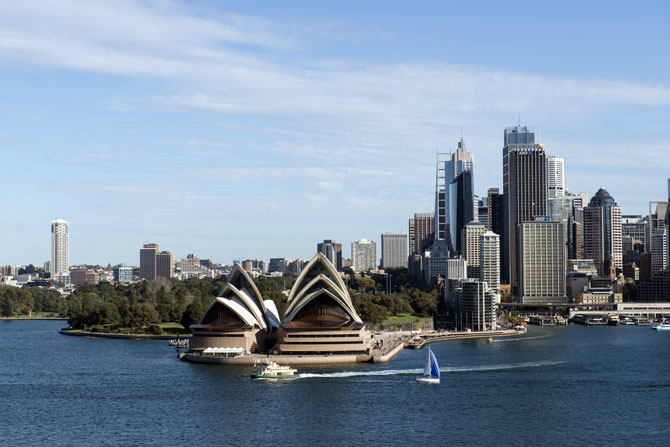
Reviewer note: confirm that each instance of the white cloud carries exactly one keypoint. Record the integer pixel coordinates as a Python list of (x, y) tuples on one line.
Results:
[(314, 134)]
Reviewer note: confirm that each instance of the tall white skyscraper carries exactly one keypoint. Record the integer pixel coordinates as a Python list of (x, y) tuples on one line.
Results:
[(60, 248), (555, 177), (659, 252), (470, 247), (363, 255), (489, 259)]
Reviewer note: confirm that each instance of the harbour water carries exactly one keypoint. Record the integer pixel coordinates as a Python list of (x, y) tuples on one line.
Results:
[(571, 385)]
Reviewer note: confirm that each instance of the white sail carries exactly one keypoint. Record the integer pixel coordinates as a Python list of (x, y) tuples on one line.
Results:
[(426, 370)]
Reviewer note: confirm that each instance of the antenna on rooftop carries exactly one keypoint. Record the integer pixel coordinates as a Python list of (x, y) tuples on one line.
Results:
[(519, 118)]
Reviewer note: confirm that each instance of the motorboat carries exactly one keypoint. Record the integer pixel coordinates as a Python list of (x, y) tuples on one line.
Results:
[(665, 326)]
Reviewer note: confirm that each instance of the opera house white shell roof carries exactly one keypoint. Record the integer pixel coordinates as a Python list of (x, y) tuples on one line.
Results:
[(319, 298), (239, 306)]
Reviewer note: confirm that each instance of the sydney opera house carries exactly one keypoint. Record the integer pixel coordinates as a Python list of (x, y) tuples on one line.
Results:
[(319, 325)]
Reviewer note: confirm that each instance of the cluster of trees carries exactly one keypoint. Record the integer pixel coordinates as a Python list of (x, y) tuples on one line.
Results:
[(138, 307), (27, 300), (375, 308)]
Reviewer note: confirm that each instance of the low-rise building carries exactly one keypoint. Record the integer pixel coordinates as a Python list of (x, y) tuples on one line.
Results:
[(599, 296), (123, 273), (83, 276)]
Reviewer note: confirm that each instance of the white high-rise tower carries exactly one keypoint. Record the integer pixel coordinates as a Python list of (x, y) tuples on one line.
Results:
[(60, 248), (555, 177), (489, 260)]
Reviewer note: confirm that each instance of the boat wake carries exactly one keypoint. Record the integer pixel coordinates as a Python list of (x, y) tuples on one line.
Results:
[(521, 338), (395, 372)]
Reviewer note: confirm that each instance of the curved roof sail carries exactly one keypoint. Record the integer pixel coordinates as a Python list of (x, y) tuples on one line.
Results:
[(239, 278), (244, 306), (319, 297)]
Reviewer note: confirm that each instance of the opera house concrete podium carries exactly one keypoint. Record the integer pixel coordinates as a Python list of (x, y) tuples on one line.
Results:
[(320, 324)]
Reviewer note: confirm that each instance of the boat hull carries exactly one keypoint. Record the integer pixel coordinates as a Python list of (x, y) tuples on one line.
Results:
[(268, 376), (427, 380), (662, 328)]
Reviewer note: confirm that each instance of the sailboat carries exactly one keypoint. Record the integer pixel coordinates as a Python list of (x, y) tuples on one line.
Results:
[(431, 373)]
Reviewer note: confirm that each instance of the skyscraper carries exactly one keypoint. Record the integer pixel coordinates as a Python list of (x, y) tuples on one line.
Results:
[(421, 236), (667, 225), (602, 232), (333, 252), (459, 162), (363, 255), (562, 209), (634, 226), (489, 259), (555, 177), (542, 260), (461, 209), (470, 245), (148, 261), (422, 232), (475, 305), (525, 192), (164, 264), (659, 253), (60, 248), (495, 214), (656, 243), (394, 250)]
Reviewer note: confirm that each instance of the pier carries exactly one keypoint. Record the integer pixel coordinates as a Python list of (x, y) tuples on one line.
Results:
[(422, 339)]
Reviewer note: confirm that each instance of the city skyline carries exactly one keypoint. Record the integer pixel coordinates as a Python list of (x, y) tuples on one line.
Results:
[(314, 124)]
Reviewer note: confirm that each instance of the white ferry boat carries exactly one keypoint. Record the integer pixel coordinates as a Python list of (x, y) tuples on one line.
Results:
[(269, 369)]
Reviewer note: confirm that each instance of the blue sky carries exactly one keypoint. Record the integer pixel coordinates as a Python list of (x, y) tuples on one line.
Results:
[(257, 129)]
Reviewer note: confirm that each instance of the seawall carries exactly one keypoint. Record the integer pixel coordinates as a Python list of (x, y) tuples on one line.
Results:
[(86, 334)]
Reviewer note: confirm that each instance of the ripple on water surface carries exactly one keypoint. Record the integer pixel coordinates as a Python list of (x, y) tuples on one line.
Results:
[(574, 385)]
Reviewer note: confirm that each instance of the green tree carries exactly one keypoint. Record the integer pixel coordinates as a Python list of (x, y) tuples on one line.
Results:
[(423, 304), (105, 313), (366, 284), (192, 314), (140, 315)]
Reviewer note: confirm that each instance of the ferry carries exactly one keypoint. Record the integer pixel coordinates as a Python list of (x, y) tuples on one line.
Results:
[(560, 321), (642, 321), (592, 320), (627, 321), (613, 320), (269, 369), (663, 327), (595, 320)]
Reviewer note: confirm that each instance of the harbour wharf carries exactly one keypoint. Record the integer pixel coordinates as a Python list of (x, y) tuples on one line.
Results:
[(422, 339)]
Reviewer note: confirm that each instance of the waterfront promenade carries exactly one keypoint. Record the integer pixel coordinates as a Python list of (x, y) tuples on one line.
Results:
[(384, 346)]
